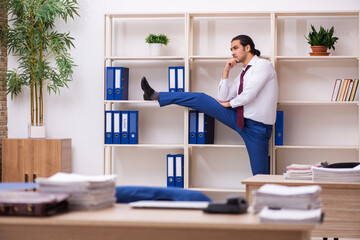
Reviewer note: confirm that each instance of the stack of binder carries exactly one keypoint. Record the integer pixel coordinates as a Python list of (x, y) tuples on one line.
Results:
[(117, 83), (85, 192), (121, 127), (283, 204), (201, 128), (175, 170), (176, 79)]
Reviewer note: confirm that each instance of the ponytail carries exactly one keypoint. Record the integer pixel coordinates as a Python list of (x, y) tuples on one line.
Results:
[(256, 52)]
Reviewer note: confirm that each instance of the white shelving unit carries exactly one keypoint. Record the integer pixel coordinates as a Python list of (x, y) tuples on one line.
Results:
[(315, 129)]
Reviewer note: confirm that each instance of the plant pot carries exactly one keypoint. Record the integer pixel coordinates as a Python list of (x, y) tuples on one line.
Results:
[(35, 131), (156, 49), (319, 51)]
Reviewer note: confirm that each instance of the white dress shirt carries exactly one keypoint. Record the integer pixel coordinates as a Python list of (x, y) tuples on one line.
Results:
[(260, 91)]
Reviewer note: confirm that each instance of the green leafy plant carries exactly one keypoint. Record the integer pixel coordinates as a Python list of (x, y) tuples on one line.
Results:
[(43, 53), (160, 38), (322, 38)]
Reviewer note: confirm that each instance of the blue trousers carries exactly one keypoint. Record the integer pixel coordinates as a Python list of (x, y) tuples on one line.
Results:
[(256, 135)]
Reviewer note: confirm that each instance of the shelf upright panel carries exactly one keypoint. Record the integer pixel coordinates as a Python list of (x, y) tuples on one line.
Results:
[(358, 54), (188, 33), (273, 52)]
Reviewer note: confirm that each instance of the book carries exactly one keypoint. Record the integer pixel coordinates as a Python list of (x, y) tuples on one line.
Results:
[(343, 88), (351, 82), (346, 89), (336, 89), (354, 89), (340, 90)]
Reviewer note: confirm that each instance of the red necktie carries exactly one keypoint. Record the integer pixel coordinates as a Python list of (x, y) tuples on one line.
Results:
[(240, 110)]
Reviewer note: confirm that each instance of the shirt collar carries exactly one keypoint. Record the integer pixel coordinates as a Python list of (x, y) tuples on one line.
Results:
[(252, 62)]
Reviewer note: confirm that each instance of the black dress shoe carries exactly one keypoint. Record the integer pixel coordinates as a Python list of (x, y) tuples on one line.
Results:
[(148, 91)]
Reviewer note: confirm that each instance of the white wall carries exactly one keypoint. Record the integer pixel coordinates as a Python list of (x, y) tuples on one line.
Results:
[(78, 112)]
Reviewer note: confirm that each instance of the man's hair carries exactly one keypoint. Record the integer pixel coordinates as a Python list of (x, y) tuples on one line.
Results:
[(246, 40)]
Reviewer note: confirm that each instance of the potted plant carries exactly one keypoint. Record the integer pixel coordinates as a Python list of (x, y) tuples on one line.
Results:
[(43, 53), (156, 42), (321, 41)]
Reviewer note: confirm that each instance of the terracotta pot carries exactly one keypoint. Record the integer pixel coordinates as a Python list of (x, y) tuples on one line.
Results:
[(319, 51)]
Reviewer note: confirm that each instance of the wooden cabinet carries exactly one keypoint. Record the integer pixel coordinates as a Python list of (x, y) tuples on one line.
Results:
[(25, 159)]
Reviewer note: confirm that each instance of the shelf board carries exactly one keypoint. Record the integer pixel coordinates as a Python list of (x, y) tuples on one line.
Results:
[(200, 189), (141, 58), (316, 57), (132, 101), (146, 15), (141, 103), (155, 103), (315, 103), (216, 146), (318, 14), (229, 14), (194, 57), (316, 147), (197, 57), (145, 145)]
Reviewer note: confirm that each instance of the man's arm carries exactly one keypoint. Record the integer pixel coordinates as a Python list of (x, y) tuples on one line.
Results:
[(226, 92), (224, 104), (228, 66), (259, 77)]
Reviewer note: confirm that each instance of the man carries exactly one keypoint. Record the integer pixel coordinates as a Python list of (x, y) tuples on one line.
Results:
[(247, 105)]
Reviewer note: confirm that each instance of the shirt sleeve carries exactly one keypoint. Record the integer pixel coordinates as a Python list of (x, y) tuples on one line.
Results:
[(226, 91), (260, 75)]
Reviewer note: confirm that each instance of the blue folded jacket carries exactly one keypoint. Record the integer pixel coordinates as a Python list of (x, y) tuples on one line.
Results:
[(127, 194)]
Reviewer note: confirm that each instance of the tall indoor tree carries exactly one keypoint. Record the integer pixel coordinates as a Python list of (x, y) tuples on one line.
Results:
[(43, 53)]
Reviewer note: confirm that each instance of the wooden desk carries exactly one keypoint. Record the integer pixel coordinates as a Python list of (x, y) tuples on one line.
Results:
[(341, 204), (122, 222)]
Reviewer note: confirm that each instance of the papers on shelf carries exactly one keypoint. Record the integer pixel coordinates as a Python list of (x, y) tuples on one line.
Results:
[(284, 197), (86, 192), (298, 174), (300, 171), (336, 174), (312, 216)]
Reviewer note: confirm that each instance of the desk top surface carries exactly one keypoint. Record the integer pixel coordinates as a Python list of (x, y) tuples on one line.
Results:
[(261, 179), (124, 215)]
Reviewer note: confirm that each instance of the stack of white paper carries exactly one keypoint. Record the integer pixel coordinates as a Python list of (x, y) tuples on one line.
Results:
[(283, 198), (298, 174), (336, 174), (86, 192), (278, 196), (286, 216), (300, 171)]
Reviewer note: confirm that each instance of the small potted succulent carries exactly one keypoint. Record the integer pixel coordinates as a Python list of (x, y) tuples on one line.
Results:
[(156, 43), (321, 41)]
